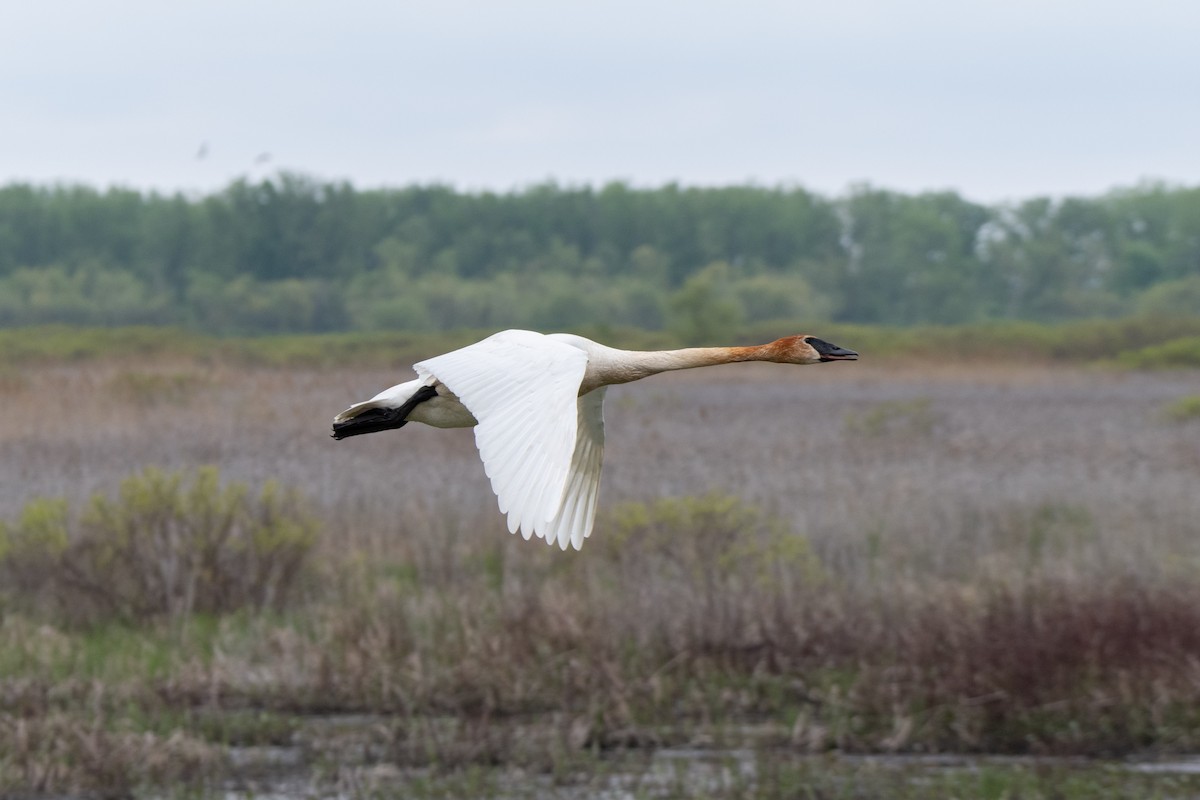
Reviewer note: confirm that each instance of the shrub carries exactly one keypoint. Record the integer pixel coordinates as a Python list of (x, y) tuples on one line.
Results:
[(168, 545), (1177, 298), (1185, 409), (1181, 352), (31, 548), (702, 311)]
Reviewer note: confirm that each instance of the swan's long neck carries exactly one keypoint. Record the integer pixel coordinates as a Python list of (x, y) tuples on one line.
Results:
[(609, 366)]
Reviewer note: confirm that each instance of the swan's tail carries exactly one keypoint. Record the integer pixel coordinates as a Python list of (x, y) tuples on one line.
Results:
[(377, 415), (366, 418)]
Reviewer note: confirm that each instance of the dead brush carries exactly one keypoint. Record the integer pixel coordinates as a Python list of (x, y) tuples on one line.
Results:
[(696, 573), (143, 388), (693, 587), (60, 753), (705, 610), (1046, 666), (901, 419)]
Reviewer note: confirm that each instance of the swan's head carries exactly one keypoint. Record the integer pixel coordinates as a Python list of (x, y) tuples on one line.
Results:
[(805, 349)]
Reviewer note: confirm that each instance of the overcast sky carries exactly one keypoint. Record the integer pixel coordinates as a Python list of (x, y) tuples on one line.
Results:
[(999, 99)]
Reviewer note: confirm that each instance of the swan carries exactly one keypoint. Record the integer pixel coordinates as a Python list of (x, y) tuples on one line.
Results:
[(536, 402)]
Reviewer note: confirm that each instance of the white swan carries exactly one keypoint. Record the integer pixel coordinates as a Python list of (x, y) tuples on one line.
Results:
[(536, 402)]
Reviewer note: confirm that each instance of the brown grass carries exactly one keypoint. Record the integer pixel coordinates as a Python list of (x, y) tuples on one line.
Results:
[(859, 557)]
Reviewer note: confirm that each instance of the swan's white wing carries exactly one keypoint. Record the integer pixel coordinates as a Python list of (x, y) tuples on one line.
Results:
[(522, 388), (578, 510)]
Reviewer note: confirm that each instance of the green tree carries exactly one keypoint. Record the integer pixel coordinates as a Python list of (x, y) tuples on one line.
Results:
[(293, 253), (704, 311), (1178, 298)]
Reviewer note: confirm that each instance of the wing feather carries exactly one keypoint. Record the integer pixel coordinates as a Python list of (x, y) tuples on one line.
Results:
[(523, 388), (577, 512)]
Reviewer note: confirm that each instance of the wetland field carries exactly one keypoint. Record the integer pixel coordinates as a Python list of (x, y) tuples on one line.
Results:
[(883, 579)]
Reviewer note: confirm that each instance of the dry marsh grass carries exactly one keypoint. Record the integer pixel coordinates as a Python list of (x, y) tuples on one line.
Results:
[(866, 557)]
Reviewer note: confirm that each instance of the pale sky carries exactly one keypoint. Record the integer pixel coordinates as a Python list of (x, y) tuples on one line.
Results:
[(998, 99)]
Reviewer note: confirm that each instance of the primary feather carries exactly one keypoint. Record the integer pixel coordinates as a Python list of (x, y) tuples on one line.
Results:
[(523, 389)]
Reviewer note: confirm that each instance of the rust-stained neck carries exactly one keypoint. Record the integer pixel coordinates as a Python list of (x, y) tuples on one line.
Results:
[(608, 365)]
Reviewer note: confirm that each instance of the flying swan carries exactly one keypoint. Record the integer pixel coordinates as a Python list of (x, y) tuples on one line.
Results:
[(537, 404)]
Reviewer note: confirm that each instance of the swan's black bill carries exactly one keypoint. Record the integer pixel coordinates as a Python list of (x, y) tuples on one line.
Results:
[(831, 352)]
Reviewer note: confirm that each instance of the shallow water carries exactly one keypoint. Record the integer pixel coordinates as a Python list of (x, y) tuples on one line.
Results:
[(1187, 765), (336, 758)]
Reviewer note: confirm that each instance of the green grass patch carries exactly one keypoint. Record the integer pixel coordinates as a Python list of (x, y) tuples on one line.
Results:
[(1185, 409), (1140, 342), (1182, 352)]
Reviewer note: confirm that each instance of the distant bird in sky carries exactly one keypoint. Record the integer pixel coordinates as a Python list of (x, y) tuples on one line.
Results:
[(536, 402), (202, 153), (262, 158)]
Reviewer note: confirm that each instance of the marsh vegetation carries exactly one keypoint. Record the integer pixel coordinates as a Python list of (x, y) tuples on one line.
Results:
[(791, 567)]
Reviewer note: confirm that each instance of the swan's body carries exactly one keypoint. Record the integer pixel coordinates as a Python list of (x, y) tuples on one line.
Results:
[(536, 402)]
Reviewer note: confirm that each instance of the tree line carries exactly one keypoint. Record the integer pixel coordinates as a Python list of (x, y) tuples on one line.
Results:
[(290, 253)]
